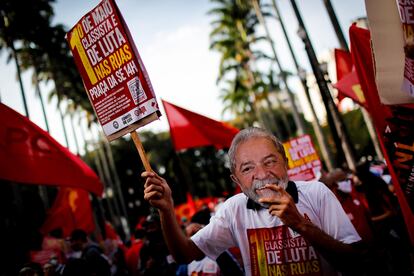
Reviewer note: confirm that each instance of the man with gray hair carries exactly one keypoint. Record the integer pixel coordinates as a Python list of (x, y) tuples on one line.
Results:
[(281, 227)]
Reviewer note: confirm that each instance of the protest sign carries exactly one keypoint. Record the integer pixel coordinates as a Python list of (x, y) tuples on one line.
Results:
[(303, 160), (112, 71), (405, 9), (391, 26)]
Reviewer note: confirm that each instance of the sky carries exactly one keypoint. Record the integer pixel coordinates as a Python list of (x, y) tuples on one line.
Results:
[(172, 37)]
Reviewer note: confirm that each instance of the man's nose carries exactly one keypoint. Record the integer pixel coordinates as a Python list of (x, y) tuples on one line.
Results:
[(261, 171)]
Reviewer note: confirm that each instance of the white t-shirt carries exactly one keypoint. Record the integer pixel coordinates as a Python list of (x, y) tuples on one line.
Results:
[(204, 267), (269, 247)]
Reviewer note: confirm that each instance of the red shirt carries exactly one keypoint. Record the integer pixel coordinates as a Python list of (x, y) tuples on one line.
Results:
[(357, 213), (132, 256)]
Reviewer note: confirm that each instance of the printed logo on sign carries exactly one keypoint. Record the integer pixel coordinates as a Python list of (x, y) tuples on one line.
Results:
[(126, 119), (140, 110), (115, 124), (136, 90)]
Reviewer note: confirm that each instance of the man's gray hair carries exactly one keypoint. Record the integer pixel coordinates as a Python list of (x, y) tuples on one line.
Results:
[(247, 134)]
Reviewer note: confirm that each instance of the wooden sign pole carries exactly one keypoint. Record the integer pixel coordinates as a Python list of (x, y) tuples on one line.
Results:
[(141, 151)]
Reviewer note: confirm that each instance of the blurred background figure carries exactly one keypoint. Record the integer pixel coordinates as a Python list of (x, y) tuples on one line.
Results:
[(86, 256), (155, 258), (388, 223), (352, 202), (31, 269), (373, 210), (206, 266), (132, 255)]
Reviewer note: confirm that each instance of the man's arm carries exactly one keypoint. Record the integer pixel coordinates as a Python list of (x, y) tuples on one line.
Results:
[(339, 254), (158, 194)]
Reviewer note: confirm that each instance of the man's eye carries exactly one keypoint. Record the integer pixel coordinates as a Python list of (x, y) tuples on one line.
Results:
[(247, 169), (270, 163)]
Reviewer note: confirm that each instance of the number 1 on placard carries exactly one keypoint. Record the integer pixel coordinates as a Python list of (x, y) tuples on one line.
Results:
[(75, 42)]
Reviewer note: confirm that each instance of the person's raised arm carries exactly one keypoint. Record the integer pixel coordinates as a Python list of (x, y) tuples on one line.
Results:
[(339, 254), (158, 194)]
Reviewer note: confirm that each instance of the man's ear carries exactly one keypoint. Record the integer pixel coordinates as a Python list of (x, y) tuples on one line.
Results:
[(234, 178)]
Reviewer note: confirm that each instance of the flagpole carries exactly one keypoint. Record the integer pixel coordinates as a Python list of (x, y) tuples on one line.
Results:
[(336, 26), (326, 153), (344, 45), (141, 151), (338, 129), (123, 219), (107, 174), (300, 125), (117, 182), (99, 211), (98, 165), (42, 189), (42, 104), (74, 133)]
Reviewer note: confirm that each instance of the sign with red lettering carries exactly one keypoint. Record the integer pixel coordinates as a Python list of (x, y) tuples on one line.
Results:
[(303, 160), (112, 71)]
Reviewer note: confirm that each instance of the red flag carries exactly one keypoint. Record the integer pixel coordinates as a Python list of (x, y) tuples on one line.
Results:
[(30, 155), (189, 129), (71, 210), (390, 125), (343, 62), (364, 67), (349, 87)]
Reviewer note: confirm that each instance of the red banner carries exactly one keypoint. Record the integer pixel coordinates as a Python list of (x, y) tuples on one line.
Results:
[(71, 210), (29, 155), (343, 62), (189, 129), (113, 73)]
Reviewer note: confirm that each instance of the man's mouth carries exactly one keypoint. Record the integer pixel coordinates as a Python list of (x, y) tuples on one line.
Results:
[(265, 192)]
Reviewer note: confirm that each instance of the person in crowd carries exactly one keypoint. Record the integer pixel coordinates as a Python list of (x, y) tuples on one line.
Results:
[(280, 226), (154, 255), (352, 202), (203, 267), (355, 206), (132, 256), (86, 256), (387, 219), (31, 269), (50, 269)]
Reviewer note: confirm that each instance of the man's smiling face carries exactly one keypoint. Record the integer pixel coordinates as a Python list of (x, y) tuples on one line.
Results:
[(259, 163)]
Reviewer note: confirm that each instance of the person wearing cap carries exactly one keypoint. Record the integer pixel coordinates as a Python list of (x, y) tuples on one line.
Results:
[(281, 227)]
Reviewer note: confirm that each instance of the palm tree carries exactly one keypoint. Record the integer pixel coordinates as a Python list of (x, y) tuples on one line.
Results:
[(7, 38), (298, 119), (274, 87), (34, 58), (322, 141), (13, 28), (232, 36)]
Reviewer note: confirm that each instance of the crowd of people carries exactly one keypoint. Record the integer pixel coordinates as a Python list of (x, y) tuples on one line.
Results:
[(145, 253), (346, 222)]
